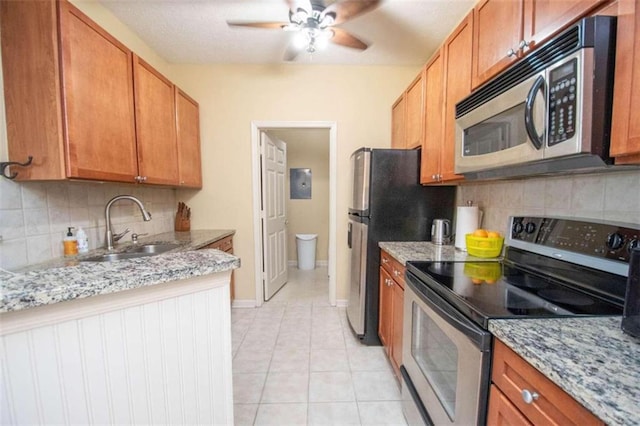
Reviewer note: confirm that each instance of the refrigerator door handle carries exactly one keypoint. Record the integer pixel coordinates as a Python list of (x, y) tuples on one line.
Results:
[(350, 236)]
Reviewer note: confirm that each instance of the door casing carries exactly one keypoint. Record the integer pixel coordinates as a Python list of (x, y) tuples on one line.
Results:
[(256, 128)]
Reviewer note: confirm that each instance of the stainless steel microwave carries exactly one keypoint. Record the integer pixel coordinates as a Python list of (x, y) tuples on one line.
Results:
[(549, 112)]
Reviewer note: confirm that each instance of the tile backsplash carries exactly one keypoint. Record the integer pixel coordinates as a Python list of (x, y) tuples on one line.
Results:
[(34, 216), (613, 196)]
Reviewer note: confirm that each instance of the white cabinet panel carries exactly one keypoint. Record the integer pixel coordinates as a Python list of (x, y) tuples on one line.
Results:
[(164, 361)]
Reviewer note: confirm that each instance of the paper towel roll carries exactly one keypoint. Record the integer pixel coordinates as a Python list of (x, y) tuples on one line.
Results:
[(467, 221)]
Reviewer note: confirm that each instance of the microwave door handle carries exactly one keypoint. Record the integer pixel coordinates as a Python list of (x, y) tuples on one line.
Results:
[(529, 125)]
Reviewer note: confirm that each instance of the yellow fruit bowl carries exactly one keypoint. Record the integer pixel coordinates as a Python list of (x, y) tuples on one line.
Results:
[(484, 246)]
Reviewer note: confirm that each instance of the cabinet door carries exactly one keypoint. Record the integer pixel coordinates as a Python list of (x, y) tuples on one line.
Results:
[(551, 405), (32, 88), (386, 309), (433, 109), (155, 125), (625, 126), (497, 32), (398, 125), (396, 326), (188, 129), (457, 55), (544, 18), (502, 412), (415, 112), (98, 100)]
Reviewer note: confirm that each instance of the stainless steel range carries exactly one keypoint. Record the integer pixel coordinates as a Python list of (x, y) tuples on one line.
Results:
[(553, 267)]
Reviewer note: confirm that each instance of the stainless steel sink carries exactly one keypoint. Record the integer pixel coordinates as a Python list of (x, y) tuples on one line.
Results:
[(133, 252), (151, 249)]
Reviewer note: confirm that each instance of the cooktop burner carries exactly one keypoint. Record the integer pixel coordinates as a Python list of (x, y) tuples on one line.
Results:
[(490, 290), (551, 267)]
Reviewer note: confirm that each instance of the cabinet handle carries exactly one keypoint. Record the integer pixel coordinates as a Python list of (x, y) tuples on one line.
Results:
[(388, 282), (511, 52), (396, 272), (385, 260), (523, 44), (528, 397)]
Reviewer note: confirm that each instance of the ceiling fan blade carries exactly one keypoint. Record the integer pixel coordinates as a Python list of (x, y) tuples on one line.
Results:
[(267, 25), (343, 38), (345, 10)]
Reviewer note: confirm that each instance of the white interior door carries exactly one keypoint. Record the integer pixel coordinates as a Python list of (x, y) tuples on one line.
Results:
[(274, 215)]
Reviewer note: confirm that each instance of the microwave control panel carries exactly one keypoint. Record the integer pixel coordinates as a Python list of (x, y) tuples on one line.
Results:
[(563, 87), (594, 239)]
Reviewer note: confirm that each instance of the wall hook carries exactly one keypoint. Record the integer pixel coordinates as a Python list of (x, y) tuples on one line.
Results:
[(4, 165)]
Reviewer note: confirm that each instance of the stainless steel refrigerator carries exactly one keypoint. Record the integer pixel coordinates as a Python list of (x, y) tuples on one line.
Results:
[(388, 204)]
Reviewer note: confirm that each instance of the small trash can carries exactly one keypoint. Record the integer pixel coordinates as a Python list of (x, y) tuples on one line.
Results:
[(306, 244)]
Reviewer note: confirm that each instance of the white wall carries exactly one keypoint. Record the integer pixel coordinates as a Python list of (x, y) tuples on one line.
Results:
[(358, 99)]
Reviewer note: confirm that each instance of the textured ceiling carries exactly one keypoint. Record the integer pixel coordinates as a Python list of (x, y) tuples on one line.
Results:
[(400, 32)]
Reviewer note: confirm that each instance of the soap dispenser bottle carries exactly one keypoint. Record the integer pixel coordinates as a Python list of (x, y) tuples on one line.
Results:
[(70, 243)]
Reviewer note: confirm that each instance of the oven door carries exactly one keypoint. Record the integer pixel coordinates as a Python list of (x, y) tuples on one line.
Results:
[(505, 130), (446, 358)]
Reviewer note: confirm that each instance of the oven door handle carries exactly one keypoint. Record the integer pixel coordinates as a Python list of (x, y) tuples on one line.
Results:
[(481, 338), (529, 125)]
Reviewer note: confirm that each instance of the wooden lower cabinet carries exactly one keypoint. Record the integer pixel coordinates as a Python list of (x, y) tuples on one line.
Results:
[(520, 394), (226, 245), (391, 308)]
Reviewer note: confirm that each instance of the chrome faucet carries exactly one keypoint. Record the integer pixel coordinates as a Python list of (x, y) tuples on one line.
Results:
[(110, 236)]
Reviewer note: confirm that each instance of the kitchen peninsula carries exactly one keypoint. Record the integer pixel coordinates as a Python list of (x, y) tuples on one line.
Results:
[(144, 340)]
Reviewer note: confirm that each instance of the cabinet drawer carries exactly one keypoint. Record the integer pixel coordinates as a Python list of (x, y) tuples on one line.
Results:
[(393, 267), (550, 405), (225, 244)]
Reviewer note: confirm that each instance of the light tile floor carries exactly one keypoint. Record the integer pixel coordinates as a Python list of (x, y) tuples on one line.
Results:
[(296, 362)]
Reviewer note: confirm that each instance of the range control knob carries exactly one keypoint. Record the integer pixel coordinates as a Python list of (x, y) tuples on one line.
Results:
[(530, 228), (615, 241), (633, 244), (518, 227)]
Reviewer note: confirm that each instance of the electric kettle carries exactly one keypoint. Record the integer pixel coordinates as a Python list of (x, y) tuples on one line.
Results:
[(441, 231)]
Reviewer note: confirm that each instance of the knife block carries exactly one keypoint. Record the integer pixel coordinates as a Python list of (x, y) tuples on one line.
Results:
[(182, 223)]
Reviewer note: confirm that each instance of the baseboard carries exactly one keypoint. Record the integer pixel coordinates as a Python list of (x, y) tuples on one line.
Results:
[(243, 303), (342, 303)]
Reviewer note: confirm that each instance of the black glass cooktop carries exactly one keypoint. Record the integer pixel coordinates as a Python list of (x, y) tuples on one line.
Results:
[(491, 290)]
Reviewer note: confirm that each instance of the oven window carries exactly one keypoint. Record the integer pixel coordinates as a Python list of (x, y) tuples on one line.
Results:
[(502, 131), (437, 357)]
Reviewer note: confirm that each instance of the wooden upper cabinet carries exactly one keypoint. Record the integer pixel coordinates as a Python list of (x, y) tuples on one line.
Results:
[(32, 93), (625, 126), (544, 18), (398, 123), (415, 112), (497, 32), (155, 125), (433, 124), (188, 131), (97, 100), (505, 31), (70, 101), (457, 57)]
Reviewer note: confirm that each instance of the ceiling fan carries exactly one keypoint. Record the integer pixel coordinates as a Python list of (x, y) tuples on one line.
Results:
[(314, 23)]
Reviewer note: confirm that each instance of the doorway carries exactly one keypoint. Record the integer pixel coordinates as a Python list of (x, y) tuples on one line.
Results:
[(257, 130)]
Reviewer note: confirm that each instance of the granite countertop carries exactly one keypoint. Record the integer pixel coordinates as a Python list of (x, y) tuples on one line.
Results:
[(70, 278), (589, 358), (426, 250)]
